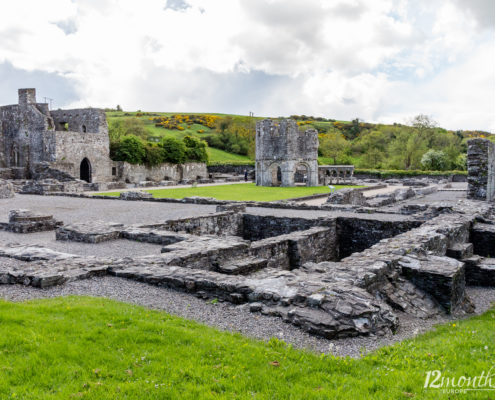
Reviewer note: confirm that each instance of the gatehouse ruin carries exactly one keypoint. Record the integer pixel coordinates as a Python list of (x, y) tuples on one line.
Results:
[(285, 156)]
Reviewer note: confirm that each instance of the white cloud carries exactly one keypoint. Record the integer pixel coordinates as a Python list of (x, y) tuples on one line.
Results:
[(380, 60)]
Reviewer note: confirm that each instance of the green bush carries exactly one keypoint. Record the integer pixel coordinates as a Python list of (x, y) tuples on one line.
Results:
[(196, 149), (434, 160), (174, 150), (130, 149), (154, 155)]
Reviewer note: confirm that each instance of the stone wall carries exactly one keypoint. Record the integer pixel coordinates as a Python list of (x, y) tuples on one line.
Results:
[(83, 120), (31, 134), (282, 150), (481, 169), (69, 149), (221, 223), (258, 227), (356, 234), (230, 169), (131, 173)]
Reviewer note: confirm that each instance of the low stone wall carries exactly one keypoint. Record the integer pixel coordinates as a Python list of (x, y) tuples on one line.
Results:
[(131, 173), (357, 234), (258, 227), (222, 223), (230, 169)]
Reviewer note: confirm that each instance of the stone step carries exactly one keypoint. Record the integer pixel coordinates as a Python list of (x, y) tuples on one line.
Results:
[(443, 278), (243, 266), (480, 271), (460, 251)]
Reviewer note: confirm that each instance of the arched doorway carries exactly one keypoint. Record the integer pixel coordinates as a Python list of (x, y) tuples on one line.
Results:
[(301, 175), (276, 173), (85, 170)]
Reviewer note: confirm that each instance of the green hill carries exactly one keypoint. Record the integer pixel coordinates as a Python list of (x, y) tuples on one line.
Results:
[(421, 145)]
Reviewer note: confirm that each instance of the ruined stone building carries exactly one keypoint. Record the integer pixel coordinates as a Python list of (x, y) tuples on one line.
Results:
[(481, 169), (72, 141), (285, 155)]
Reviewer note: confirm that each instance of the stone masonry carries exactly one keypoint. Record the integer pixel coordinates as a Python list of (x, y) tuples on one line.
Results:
[(481, 169), (73, 141), (285, 155)]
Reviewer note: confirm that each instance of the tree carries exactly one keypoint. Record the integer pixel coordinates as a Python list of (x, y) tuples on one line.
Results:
[(423, 125), (118, 108), (120, 127), (196, 149), (333, 145), (434, 160), (154, 155), (174, 150), (131, 149)]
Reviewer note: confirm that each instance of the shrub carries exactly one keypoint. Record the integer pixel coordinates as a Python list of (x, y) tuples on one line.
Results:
[(130, 148), (173, 150), (154, 155), (196, 149), (434, 160)]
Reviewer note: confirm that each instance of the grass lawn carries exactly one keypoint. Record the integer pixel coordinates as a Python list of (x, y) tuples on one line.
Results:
[(239, 191), (217, 155), (94, 348)]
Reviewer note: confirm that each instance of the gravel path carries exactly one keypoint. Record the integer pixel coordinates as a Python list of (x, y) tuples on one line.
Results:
[(226, 316), (76, 209), (113, 248)]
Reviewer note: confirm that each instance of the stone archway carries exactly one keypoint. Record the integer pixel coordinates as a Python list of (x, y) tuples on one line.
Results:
[(85, 170), (301, 174)]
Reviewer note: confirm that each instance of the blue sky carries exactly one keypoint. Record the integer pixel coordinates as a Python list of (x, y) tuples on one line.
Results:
[(380, 60)]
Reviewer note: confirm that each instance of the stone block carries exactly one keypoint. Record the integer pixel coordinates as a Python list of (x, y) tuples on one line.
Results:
[(460, 251), (442, 277), (90, 232), (483, 239), (26, 221)]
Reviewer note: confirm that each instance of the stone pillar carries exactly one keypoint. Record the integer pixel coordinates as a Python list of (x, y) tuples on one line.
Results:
[(481, 169)]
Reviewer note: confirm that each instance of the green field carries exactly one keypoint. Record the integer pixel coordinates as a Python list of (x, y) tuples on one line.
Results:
[(239, 191), (93, 348)]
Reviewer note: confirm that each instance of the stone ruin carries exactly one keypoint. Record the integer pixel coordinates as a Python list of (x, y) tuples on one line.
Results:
[(74, 142), (336, 276), (285, 155), (481, 169)]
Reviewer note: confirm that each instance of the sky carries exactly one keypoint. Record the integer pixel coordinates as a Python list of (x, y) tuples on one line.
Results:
[(381, 61)]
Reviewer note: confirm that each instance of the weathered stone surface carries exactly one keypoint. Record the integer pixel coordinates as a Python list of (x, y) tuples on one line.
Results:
[(480, 271), (442, 277), (135, 195), (90, 232), (285, 155), (62, 138), (26, 221), (481, 169), (483, 239), (460, 251), (347, 196), (243, 266), (6, 189), (294, 274)]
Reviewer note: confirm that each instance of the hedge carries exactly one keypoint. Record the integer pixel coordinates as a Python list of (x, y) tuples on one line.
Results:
[(385, 173)]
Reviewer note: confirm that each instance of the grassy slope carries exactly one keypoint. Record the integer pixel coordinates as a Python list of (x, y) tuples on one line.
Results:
[(93, 348), (240, 191), (216, 155)]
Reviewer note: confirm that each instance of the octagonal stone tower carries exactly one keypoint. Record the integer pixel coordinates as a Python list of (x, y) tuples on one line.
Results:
[(285, 156)]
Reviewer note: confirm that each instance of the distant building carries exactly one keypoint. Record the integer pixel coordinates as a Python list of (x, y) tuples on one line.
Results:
[(285, 156), (72, 141)]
